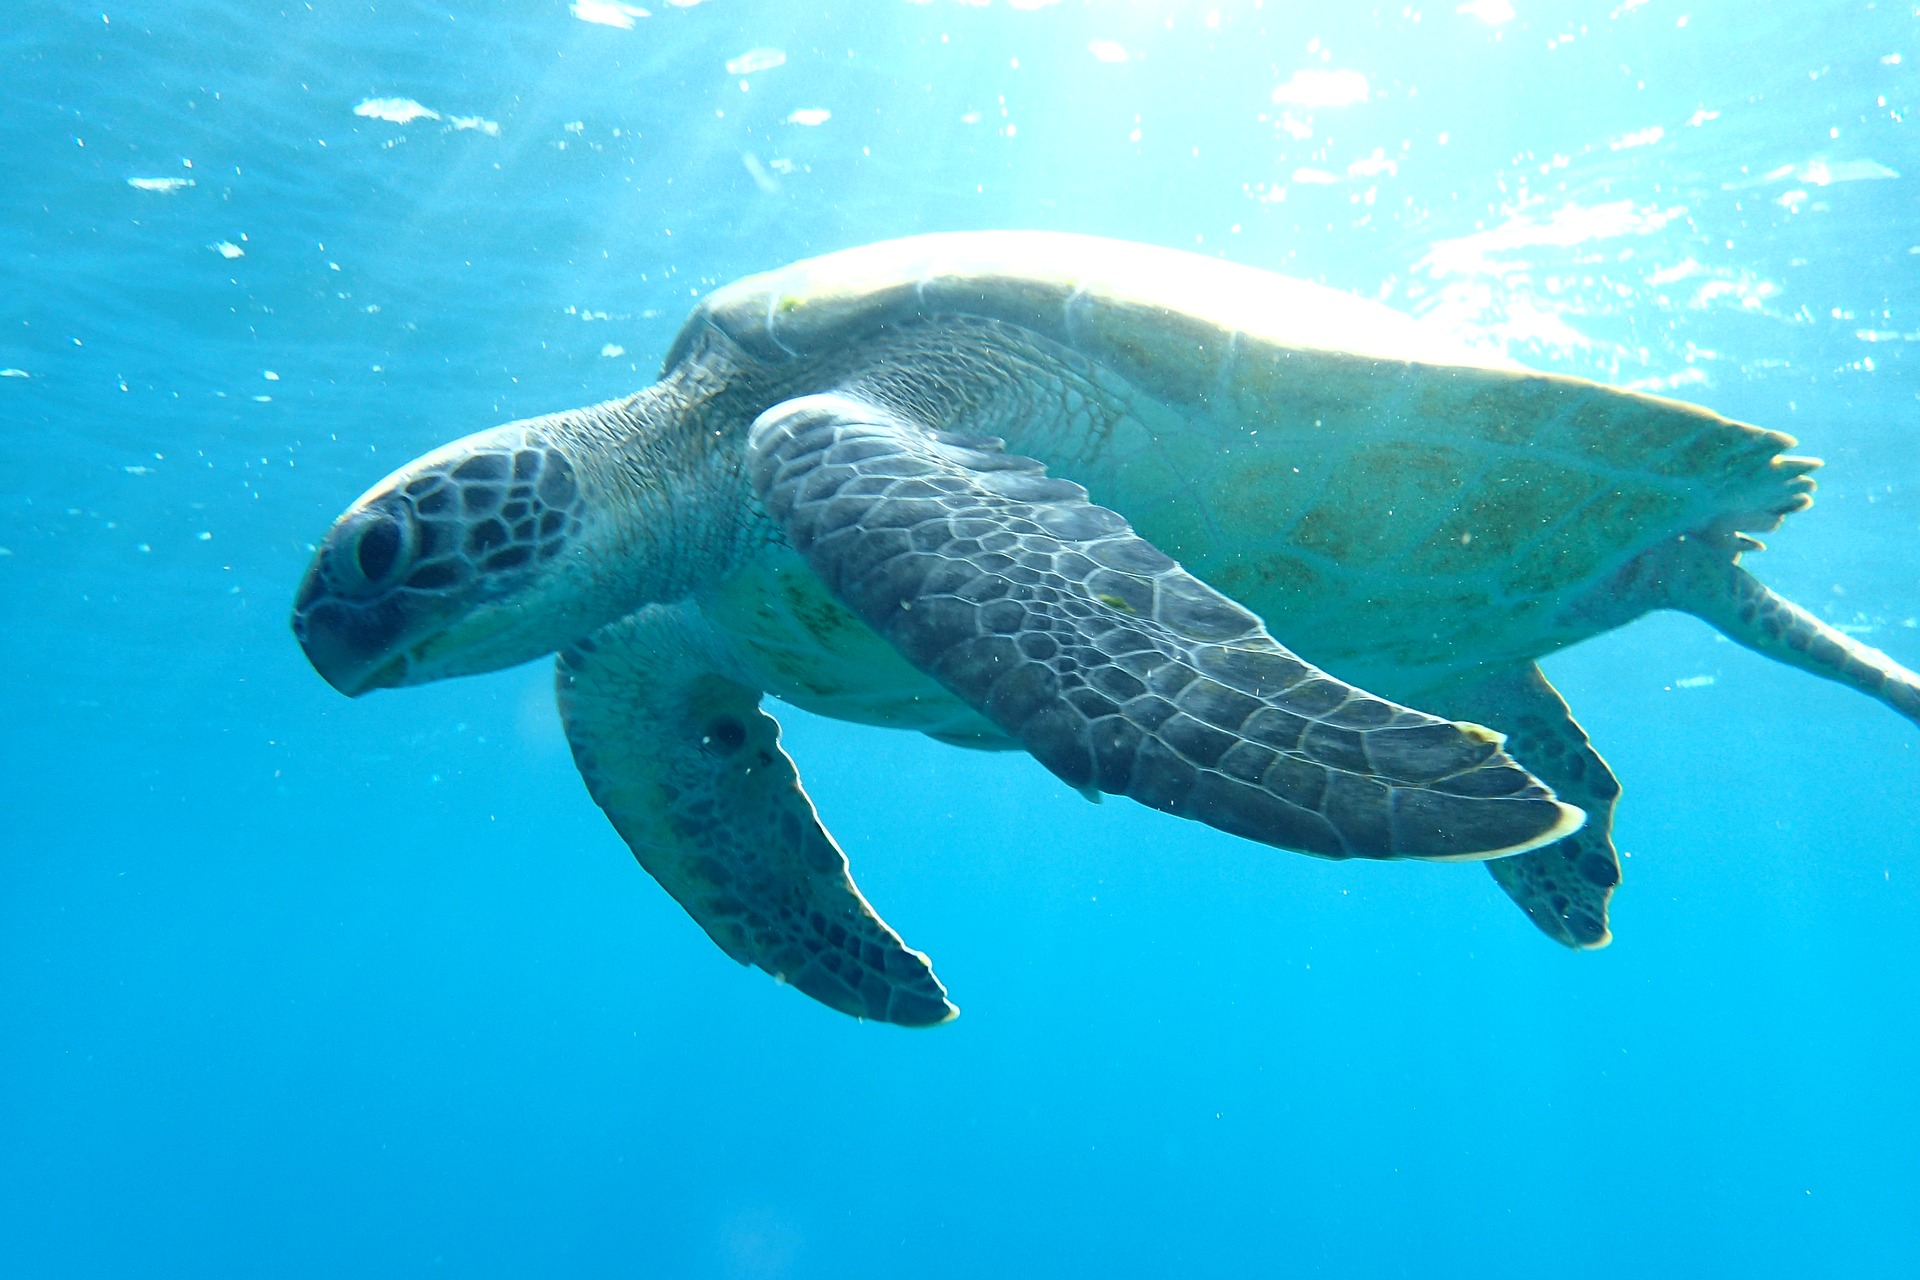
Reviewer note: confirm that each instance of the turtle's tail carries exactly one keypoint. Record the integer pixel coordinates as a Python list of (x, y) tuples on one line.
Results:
[(1704, 581)]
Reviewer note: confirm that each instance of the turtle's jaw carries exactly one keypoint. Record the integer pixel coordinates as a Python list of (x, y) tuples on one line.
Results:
[(489, 552), (360, 646), (389, 675), (460, 562), (350, 645)]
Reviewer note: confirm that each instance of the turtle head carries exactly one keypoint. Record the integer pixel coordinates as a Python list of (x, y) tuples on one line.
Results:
[(484, 553)]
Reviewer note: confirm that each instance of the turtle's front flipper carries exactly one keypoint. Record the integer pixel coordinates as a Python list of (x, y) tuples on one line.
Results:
[(691, 772), (1112, 665), (1563, 887)]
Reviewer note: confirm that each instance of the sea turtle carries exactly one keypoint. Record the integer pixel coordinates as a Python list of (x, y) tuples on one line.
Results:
[(849, 489)]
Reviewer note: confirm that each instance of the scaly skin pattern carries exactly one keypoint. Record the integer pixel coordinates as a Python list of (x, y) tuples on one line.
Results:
[(1392, 525), (691, 773), (1410, 518), (1563, 887), (513, 542), (1108, 662), (1694, 574), (484, 513), (1414, 624), (1388, 501)]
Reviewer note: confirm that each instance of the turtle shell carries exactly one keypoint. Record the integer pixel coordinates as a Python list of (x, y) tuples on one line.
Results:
[(1387, 496), (1174, 321)]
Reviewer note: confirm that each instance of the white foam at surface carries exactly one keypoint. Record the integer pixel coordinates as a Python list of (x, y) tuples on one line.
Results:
[(489, 127), (1491, 12), (1824, 173), (809, 116), (165, 186), (1685, 269), (1313, 87), (1487, 277), (1691, 376), (753, 60), (1315, 177), (1525, 322), (1819, 172), (1376, 165), (761, 178), (612, 349), (14, 373), (228, 249), (395, 110), (1772, 175), (603, 13), (1638, 138), (1742, 289), (1566, 226), (1107, 50)]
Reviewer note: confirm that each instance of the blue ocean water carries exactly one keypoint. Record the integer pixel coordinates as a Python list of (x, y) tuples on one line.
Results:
[(298, 986)]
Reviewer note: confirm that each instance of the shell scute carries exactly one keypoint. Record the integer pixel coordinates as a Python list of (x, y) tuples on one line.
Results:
[(1496, 409), (1259, 490), (1277, 577), (1320, 457), (1510, 503), (1022, 300), (1544, 567), (1170, 354), (1308, 390)]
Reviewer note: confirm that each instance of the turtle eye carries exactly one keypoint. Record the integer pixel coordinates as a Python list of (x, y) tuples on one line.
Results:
[(374, 549)]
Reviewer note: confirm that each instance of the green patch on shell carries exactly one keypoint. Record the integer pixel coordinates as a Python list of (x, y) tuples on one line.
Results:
[(824, 620)]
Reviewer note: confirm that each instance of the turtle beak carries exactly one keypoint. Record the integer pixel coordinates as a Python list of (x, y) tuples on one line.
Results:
[(351, 643), (363, 634), (451, 566), (359, 633)]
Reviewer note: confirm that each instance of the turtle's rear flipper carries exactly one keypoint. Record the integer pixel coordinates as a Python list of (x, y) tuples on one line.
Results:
[(691, 772), (1563, 887), (1113, 666), (1699, 575)]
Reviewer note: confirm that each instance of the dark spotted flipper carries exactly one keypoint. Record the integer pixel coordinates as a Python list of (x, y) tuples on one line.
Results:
[(1113, 666), (691, 772), (1702, 575), (1563, 887)]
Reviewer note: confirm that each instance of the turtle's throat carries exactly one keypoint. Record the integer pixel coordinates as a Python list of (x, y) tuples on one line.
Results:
[(388, 675)]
